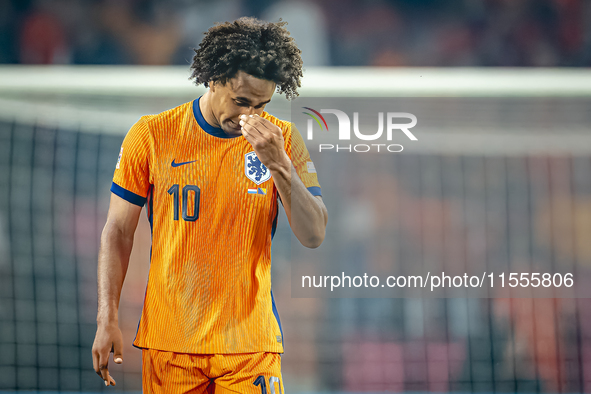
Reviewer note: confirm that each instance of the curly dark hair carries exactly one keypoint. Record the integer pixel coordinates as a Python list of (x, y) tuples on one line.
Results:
[(263, 50)]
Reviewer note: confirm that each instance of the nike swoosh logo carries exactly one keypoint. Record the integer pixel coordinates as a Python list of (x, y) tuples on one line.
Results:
[(181, 164)]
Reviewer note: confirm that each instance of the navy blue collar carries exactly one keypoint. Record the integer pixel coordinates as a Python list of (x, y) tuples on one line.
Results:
[(209, 129)]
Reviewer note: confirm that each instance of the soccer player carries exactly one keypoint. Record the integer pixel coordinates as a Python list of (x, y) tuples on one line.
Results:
[(211, 172)]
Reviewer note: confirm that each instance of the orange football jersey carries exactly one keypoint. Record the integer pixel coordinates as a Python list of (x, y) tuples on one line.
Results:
[(212, 206)]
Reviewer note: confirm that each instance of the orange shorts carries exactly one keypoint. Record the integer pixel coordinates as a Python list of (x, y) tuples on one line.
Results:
[(169, 372)]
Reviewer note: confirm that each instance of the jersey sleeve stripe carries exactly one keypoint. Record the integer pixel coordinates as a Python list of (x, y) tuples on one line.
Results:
[(127, 195), (315, 191)]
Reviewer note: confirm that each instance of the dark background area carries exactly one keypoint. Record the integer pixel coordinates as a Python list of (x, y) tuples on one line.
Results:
[(505, 33)]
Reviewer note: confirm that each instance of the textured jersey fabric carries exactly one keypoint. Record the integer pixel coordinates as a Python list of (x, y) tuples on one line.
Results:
[(213, 210)]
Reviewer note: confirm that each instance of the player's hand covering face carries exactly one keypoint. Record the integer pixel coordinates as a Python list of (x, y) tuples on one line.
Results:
[(241, 95), (265, 138)]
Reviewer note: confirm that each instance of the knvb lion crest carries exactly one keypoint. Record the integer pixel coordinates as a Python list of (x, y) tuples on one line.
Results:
[(254, 169)]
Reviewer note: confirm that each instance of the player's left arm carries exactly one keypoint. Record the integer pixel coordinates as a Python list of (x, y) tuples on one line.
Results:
[(309, 211)]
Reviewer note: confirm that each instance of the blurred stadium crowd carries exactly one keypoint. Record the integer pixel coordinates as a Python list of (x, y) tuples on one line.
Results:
[(432, 33)]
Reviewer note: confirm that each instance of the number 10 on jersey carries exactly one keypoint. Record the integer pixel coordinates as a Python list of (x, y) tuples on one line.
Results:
[(174, 191)]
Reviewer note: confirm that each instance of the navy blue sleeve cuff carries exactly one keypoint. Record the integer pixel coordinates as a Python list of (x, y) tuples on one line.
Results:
[(127, 195), (315, 191)]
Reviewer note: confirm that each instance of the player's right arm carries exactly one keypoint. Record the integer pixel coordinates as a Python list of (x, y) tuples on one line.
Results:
[(114, 252), (129, 190)]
